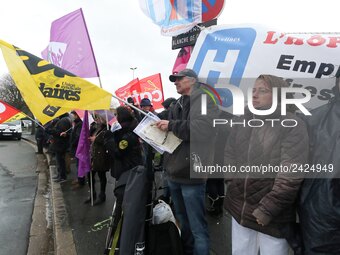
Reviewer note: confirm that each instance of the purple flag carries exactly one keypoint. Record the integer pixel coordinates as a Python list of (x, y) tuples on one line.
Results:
[(83, 149), (70, 46)]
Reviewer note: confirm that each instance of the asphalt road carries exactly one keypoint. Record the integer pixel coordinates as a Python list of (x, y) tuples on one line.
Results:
[(18, 182)]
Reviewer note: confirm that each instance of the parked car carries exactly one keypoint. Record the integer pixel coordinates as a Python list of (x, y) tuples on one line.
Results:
[(11, 129), (26, 123)]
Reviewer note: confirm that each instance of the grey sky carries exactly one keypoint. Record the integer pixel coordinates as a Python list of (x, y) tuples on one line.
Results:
[(123, 37)]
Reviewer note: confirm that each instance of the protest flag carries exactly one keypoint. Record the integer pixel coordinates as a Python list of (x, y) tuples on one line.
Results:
[(182, 59), (152, 88), (104, 114), (9, 113), (130, 89), (81, 114), (70, 46), (48, 90), (83, 149)]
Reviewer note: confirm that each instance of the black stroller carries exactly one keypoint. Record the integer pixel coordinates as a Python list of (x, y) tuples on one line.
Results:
[(130, 230), (133, 205)]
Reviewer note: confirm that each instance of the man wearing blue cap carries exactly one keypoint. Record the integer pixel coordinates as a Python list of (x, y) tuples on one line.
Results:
[(198, 137), (146, 106)]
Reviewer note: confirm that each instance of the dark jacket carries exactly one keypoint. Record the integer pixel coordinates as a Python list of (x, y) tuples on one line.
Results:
[(99, 158), (75, 134), (272, 200), (39, 133), (319, 201), (164, 115), (59, 143), (124, 149), (197, 134)]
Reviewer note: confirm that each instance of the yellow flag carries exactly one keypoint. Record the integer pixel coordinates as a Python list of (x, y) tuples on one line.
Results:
[(18, 116), (48, 90)]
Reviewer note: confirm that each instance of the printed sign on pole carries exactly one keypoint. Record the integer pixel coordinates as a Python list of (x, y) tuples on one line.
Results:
[(238, 54)]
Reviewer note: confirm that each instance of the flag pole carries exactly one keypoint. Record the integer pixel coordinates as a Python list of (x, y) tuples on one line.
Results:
[(131, 105), (87, 32), (91, 188), (36, 122), (100, 83), (106, 117), (95, 62)]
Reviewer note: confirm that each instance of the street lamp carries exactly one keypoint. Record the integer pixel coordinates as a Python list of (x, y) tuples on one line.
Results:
[(133, 72)]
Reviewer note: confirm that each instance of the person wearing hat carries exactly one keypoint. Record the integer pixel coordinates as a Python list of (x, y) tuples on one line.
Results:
[(166, 104), (146, 105), (136, 113), (198, 138)]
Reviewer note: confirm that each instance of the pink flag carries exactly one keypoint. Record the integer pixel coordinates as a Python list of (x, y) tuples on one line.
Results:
[(81, 114), (110, 115), (182, 59), (70, 46), (83, 149)]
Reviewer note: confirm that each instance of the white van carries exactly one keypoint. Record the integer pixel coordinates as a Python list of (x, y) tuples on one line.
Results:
[(11, 129)]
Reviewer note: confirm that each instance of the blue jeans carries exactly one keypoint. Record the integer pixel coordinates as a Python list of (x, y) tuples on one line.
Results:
[(189, 205)]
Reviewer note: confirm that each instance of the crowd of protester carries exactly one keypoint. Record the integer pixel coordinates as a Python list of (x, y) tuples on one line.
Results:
[(271, 215)]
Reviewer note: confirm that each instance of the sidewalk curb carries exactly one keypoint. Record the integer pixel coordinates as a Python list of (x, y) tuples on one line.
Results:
[(40, 233), (63, 237)]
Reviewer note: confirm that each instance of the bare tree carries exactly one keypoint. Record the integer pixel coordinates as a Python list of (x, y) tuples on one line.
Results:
[(10, 94)]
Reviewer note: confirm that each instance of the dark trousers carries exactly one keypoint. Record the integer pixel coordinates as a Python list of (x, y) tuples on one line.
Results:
[(40, 143), (102, 180), (61, 164), (215, 188), (81, 180)]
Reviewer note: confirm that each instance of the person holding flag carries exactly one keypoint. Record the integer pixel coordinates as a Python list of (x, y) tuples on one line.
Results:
[(125, 153), (99, 160), (60, 133), (74, 139), (40, 138)]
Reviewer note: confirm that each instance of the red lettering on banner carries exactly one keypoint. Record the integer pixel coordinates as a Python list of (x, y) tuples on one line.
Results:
[(293, 40), (315, 40), (270, 40), (333, 42)]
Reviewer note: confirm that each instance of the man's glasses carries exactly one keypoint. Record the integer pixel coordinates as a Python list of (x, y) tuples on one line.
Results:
[(262, 91)]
